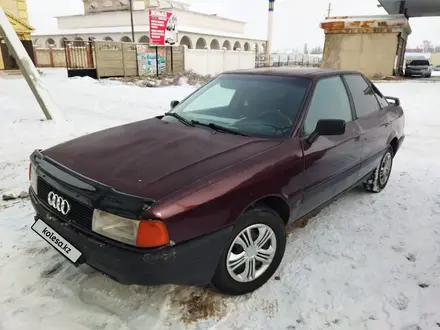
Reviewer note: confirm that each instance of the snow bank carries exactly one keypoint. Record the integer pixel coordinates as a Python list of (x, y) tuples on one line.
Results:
[(368, 261)]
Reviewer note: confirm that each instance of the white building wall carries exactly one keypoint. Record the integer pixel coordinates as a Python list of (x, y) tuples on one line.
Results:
[(122, 18), (197, 20), (212, 62), (106, 19)]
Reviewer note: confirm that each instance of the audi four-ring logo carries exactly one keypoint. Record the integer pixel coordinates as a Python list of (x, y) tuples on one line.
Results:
[(58, 203)]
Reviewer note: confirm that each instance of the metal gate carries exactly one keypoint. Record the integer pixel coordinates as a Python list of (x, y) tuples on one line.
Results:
[(80, 58)]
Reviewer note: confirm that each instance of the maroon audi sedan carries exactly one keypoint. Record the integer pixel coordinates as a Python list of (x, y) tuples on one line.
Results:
[(202, 194)]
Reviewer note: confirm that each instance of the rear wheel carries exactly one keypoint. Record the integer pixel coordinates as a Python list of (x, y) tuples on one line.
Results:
[(379, 178), (253, 253)]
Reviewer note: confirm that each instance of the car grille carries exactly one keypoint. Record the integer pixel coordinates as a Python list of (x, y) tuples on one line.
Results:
[(79, 214)]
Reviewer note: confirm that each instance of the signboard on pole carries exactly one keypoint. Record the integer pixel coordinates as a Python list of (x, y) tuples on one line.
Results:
[(163, 28)]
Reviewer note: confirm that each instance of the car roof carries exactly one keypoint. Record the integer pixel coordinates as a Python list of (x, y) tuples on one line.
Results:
[(313, 73)]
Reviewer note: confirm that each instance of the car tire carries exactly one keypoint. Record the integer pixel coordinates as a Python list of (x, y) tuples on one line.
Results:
[(381, 175), (232, 274)]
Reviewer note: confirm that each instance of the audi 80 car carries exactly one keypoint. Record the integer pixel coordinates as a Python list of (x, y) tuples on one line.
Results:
[(201, 195)]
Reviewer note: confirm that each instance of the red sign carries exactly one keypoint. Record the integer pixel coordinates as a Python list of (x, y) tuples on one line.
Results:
[(163, 28)]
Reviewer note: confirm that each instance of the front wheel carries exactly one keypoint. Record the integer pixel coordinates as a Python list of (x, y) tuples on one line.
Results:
[(379, 178), (253, 253)]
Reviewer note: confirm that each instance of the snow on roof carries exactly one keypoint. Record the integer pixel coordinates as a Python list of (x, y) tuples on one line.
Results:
[(395, 22), (139, 28)]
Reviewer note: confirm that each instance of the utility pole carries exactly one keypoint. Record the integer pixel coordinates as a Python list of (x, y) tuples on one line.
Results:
[(132, 24), (329, 10), (269, 30)]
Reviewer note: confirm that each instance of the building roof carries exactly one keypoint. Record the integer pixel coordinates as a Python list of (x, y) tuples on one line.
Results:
[(177, 9), (414, 8), (18, 24), (291, 72)]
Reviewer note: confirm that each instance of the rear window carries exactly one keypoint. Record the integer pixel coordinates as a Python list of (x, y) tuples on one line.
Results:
[(419, 62)]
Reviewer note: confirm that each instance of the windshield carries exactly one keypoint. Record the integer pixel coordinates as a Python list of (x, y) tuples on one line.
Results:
[(256, 105), (419, 62)]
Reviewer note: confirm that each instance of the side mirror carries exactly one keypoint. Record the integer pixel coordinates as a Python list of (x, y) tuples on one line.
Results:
[(327, 127), (173, 104), (396, 100)]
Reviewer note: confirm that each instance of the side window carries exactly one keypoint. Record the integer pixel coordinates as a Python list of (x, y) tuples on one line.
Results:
[(382, 101), (329, 101), (363, 95)]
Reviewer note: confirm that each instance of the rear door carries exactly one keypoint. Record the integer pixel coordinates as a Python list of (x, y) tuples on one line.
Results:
[(371, 111), (331, 163)]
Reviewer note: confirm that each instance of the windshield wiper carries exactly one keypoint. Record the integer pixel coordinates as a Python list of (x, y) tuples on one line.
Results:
[(180, 118), (219, 128)]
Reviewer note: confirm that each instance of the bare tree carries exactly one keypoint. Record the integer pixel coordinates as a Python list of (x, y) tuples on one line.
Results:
[(427, 46)]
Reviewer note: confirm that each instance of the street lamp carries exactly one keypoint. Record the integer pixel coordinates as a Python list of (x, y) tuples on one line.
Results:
[(132, 24), (269, 30)]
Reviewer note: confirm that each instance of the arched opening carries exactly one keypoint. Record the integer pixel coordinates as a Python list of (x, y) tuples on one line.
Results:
[(201, 43), (50, 42), (144, 40), (256, 48), (247, 46), (227, 45), (125, 39), (108, 39), (63, 42), (78, 39), (263, 48), (185, 41), (215, 44), (237, 45)]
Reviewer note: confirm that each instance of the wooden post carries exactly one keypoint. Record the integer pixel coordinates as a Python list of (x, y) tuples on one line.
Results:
[(35, 57)]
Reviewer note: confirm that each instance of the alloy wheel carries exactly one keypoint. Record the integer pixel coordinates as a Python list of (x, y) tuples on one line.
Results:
[(385, 168), (251, 253)]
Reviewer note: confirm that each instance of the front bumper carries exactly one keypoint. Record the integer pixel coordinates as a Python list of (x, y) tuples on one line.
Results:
[(417, 72), (190, 263)]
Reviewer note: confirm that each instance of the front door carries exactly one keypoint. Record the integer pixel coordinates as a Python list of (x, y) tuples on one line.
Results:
[(331, 163), (8, 60)]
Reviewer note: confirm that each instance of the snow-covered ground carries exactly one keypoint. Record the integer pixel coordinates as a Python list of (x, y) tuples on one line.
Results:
[(365, 262)]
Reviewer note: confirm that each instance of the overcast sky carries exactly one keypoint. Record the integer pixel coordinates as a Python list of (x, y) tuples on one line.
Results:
[(296, 21)]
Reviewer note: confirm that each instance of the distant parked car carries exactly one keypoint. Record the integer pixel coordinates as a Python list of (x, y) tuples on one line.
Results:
[(419, 68), (437, 68), (202, 194)]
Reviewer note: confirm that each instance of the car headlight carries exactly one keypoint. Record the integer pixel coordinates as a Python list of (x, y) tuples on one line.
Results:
[(140, 233), (33, 177)]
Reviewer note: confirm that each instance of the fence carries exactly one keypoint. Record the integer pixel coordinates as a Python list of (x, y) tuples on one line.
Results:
[(112, 59), (50, 57), (288, 60), (212, 62)]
